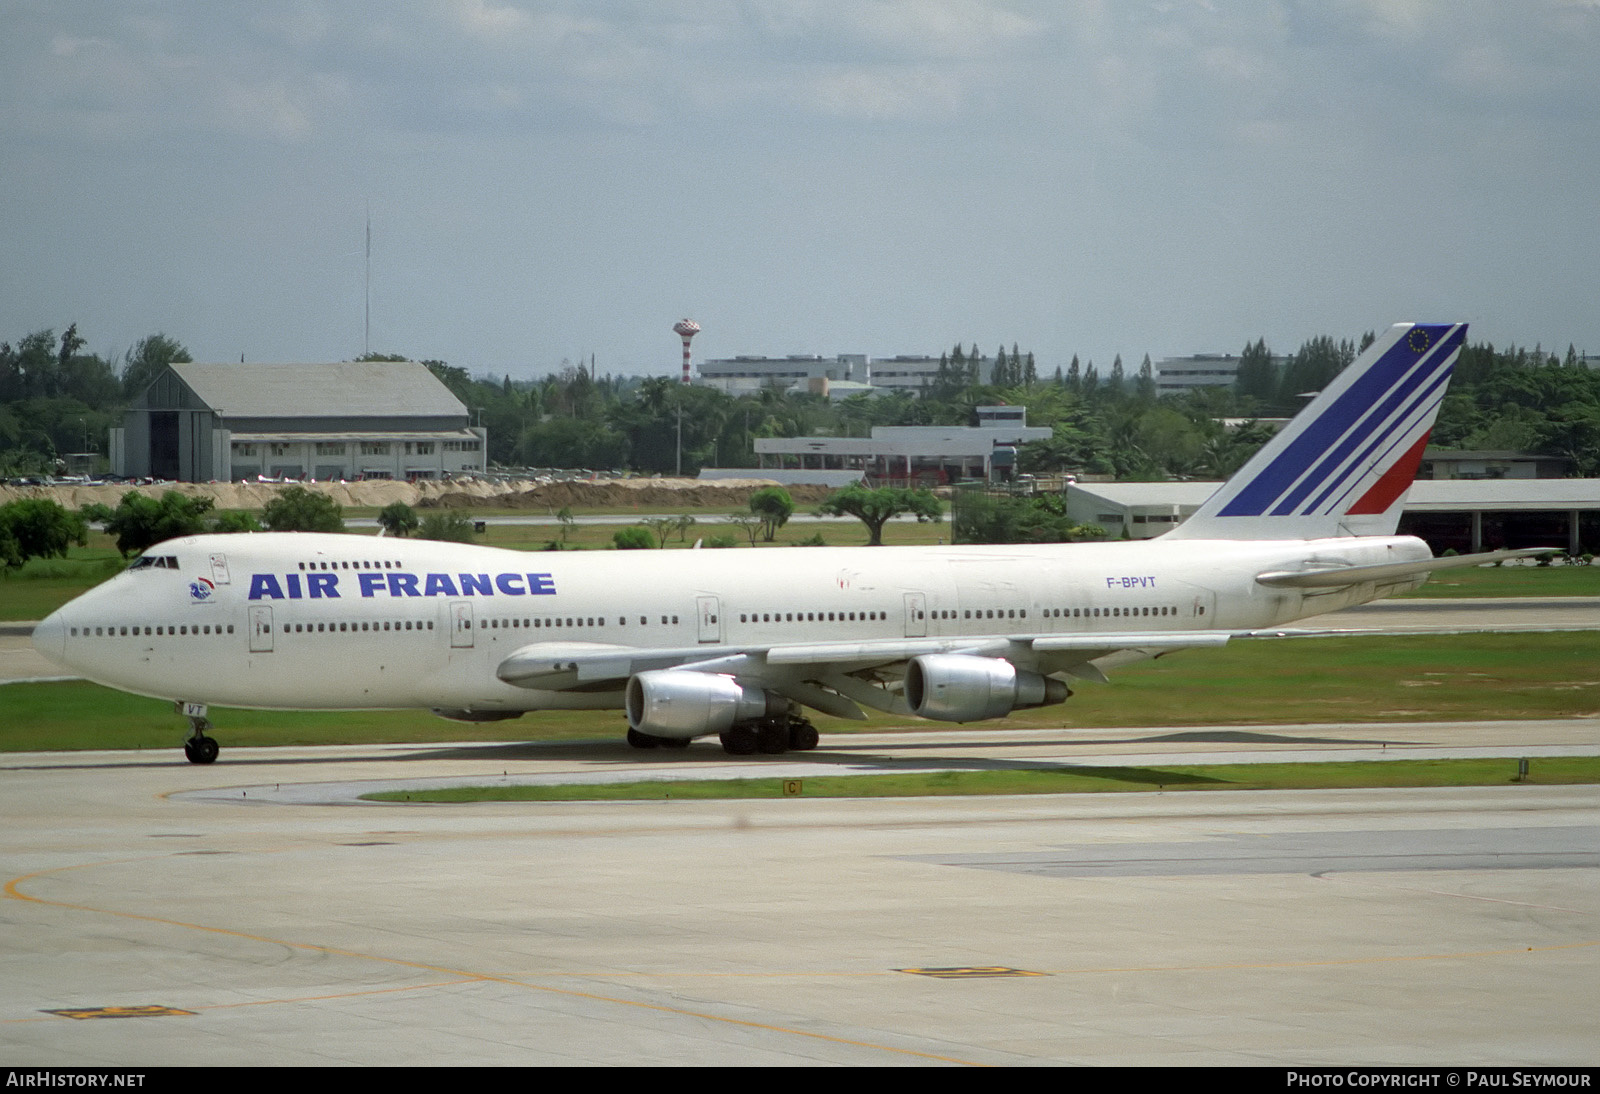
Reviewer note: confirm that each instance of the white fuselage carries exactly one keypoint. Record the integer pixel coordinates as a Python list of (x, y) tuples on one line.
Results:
[(307, 621)]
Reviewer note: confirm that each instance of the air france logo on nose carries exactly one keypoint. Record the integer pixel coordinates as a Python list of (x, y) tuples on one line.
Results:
[(320, 586), (200, 590)]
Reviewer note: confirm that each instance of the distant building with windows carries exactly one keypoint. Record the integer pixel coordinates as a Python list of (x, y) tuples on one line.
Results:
[(1448, 463), (352, 420), (816, 374), (1176, 375)]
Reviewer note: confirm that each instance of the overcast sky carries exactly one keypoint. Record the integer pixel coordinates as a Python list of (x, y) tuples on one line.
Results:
[(558, 179)]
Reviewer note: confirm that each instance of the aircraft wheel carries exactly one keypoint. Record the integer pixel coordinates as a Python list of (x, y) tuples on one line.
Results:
[(201, 750), (803, 736), (673, 742), (739, 741), (642, 740), (772, 739)]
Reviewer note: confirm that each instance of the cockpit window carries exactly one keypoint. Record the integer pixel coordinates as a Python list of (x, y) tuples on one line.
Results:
[(159, 562)]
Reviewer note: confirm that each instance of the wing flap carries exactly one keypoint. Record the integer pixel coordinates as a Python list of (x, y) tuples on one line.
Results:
[(883, 651), (557, 666), (1100, 644)]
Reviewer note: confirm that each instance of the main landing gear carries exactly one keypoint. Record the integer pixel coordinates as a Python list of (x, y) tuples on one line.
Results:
[(197, 747), (770, 736)]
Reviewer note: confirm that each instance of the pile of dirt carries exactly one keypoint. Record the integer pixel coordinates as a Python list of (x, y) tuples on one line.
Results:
[(642, 495)]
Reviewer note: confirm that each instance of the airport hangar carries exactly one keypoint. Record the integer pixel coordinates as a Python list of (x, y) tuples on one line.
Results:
[(351, 420), (1463, 514)]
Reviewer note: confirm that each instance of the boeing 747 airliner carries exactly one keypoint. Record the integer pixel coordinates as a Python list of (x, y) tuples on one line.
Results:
[(742, 643)]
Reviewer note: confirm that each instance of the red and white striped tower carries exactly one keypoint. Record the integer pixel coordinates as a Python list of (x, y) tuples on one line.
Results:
[(686, 329)]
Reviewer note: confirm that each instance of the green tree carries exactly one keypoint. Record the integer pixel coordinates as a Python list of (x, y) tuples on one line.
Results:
[(633, 539), (36, 528), (299, 510), (232, 521), (1145, 385), (139, 522), (1257, 377), (449, 527), (774, 506), (661, 528), (10, 551), (875, 508), (146, 360), (981, 517), (748, 523), (398, 519)]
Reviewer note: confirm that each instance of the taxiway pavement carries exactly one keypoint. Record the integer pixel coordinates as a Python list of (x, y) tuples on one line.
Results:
[(1333, 927)]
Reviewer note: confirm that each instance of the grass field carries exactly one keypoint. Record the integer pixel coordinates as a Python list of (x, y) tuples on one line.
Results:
[(1260, 681), (1545, 771)]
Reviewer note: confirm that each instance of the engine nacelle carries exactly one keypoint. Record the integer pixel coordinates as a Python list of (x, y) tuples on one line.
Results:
[(678, 703), (958, 687)]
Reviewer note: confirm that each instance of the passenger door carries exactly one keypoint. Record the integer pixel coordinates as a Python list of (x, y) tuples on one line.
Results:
[(916, 615), (461, 624), (710, 613), (261, 628)]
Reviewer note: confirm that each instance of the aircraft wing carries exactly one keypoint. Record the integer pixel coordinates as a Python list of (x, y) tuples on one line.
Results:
[(837, 677)]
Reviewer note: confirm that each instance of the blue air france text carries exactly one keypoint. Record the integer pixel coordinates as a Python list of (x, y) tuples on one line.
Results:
[(321, 586)]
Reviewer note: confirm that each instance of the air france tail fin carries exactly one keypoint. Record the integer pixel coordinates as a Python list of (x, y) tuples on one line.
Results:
[(1343, 466)]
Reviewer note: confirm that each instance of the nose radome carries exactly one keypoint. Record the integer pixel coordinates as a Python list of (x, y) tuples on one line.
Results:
[(50, 638)]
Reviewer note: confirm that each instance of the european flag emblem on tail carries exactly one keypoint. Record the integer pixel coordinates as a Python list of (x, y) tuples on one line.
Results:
[(1343, 465)]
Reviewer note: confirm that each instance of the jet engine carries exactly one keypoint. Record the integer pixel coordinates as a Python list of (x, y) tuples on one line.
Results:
[(681, 704), (958, 687)]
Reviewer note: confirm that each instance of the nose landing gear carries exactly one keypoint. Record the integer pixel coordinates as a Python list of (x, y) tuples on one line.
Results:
[(197, 747)]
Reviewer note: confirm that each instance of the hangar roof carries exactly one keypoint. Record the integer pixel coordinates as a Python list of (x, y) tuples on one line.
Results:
[(349, 388)]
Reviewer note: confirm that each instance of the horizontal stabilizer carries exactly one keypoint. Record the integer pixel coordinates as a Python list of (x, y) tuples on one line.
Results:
[(1340, 577)]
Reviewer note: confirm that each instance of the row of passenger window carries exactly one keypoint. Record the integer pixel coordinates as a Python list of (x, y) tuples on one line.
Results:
[(532, 623), (385, 625), (182, 630), (811, 617), (540, 622), (324, 564), (965, 614)]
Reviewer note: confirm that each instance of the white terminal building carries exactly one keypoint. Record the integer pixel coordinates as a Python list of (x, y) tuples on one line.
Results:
[(1466, 514), (922, 454), (351, 420)]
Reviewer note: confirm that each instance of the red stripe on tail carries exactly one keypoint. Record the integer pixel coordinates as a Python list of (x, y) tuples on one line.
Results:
[(1395, 482)]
